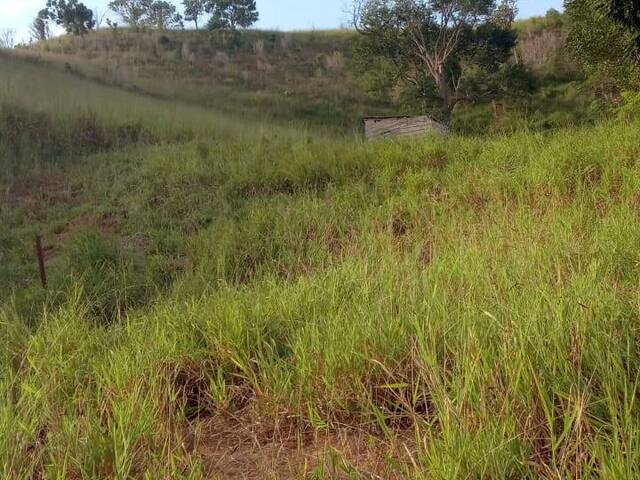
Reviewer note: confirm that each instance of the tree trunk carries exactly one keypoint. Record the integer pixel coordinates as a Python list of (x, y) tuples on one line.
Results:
[(444, 90)]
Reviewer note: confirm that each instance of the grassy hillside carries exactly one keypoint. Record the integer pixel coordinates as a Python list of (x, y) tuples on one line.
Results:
[(229, 298), (300, 76), (313, 78)]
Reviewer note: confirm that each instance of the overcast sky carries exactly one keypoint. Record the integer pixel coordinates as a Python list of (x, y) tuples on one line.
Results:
[(274, 14)]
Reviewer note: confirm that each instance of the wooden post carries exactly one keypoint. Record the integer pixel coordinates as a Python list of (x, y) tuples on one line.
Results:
[(41, 266)]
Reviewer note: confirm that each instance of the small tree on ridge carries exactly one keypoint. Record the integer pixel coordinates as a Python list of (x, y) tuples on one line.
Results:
[(163, 15), (39, 29), (231, 14), (72, 15), (131, 12), (193, 10)]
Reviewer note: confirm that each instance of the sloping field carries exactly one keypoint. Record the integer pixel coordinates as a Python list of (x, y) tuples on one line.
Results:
[(237, 300), (279, 76)]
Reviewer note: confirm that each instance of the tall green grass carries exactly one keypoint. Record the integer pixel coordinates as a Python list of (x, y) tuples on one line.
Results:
[(476, 296)]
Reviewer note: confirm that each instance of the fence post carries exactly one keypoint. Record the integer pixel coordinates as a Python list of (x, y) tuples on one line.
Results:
[(41, 266)]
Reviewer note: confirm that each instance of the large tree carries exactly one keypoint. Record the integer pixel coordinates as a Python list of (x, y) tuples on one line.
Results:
[(72, 15), (438, 46), (231, 14), (194, 10)]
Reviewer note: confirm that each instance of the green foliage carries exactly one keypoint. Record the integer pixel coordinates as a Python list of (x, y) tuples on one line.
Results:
[(604, 48), (434, 42), (506, 13), (163, 15), (131, 12), (231, 14), (73, 16), (630, 108), (627, 14), (194, 10)]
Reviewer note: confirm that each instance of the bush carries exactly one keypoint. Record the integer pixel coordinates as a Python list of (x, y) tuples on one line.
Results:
[(630, 105)]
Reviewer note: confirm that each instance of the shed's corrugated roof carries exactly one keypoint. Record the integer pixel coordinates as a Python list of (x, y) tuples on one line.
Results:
[(392, 116)]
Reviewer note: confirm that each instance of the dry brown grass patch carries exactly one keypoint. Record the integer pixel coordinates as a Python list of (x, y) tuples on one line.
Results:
[(247, 447)]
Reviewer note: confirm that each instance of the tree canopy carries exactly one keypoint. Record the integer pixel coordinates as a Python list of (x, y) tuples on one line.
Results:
[(72, 15), (626, 13), (443, 49), (231, 14), (194, 10), (605, 46), (162, 15), (131, 12), (158, 14)]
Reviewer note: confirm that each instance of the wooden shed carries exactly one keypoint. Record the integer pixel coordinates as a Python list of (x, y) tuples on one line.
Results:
[(388, 127)]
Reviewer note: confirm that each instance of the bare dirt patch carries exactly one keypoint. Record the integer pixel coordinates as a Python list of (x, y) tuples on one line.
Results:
[(108, 224), (237, 447), (46, 189)]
